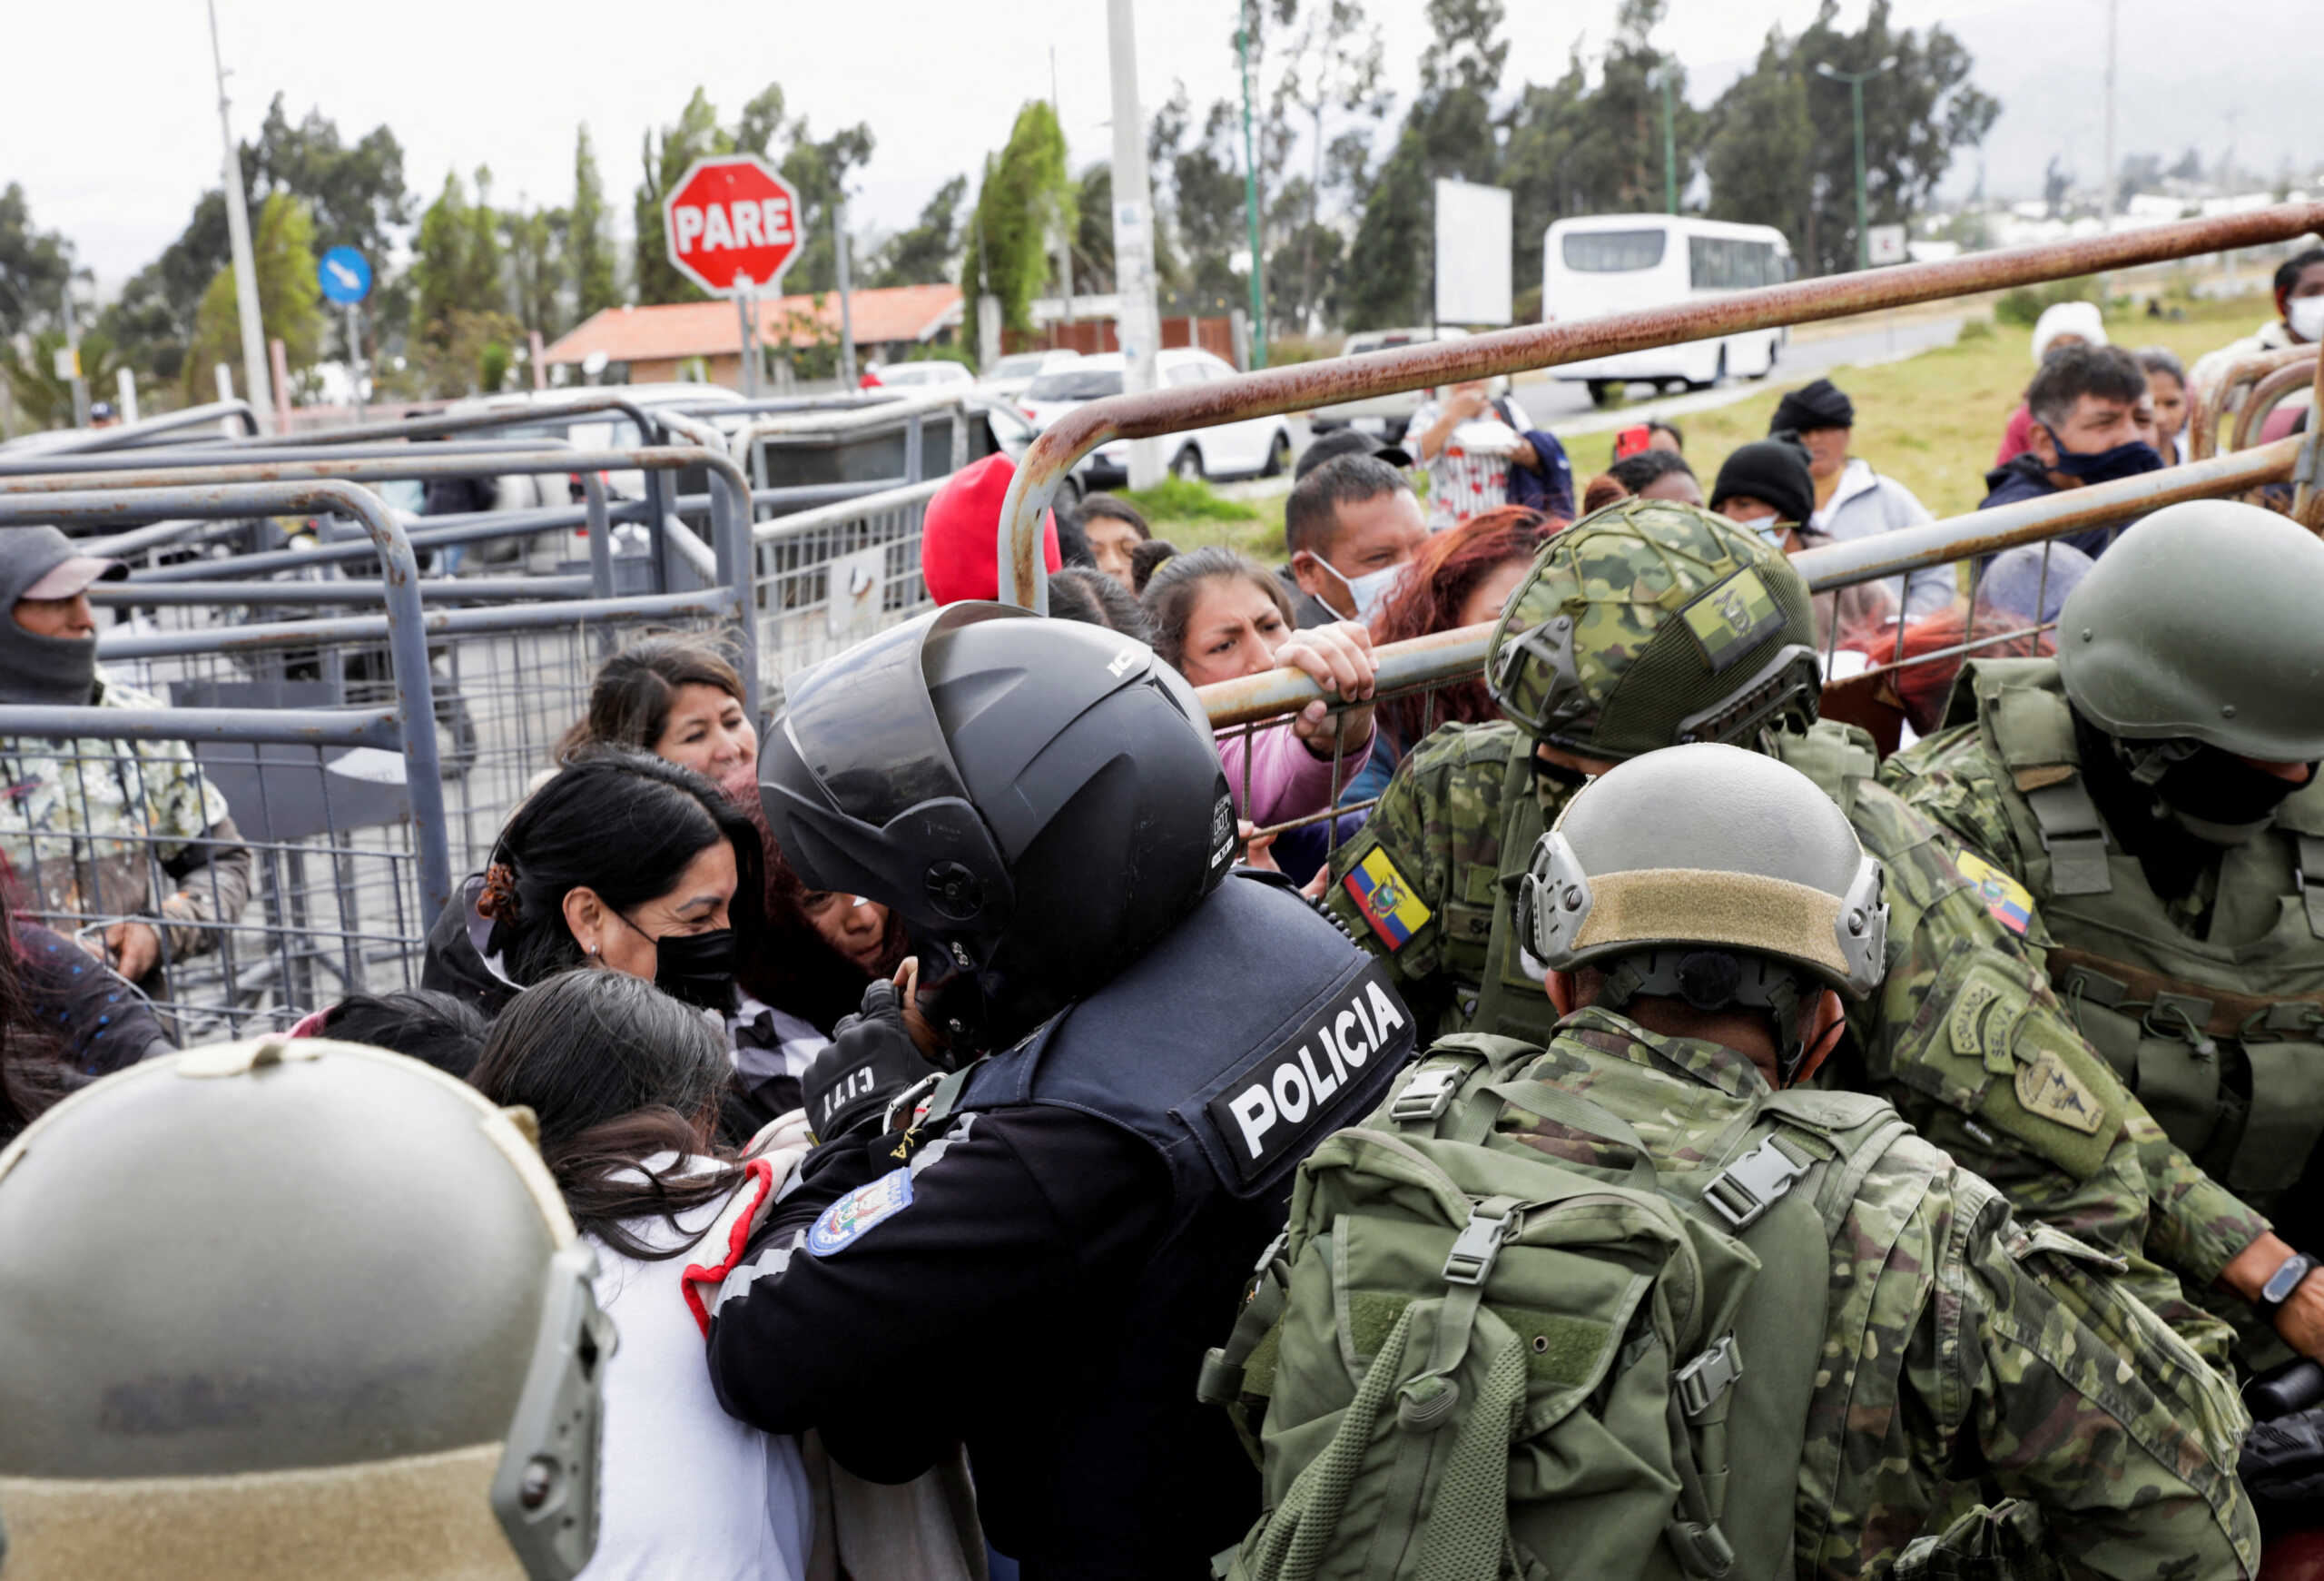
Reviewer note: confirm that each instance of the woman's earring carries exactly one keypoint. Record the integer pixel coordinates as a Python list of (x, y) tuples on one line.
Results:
[(593, 949)]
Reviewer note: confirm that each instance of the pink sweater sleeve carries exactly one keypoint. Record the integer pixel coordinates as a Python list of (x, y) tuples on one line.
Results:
[(1286, 780)]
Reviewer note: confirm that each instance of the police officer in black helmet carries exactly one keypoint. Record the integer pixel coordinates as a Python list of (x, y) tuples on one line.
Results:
[(1027, 1245)]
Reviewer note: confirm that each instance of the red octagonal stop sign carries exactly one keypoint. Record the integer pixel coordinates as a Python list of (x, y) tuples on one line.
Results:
[(731, 224)]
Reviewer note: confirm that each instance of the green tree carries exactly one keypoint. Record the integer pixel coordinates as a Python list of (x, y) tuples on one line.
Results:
[(35, 266), (1449, 131), (1333, 69), (39, 394), (535, 252), (282, 247), (1918, 114), (594, 288), (1093, 231), (819, 168), (922, 255), (1761, 156), (1024, 199), (439, 270), (695, 135), (482, 282)]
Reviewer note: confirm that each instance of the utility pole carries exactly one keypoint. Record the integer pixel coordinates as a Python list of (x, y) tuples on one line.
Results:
[(1855, 81), (1246, 47), (846, 312), (1137, 323), (79, 384), (259, 387), (1670, 144), (1064, 237), (2112, 186)]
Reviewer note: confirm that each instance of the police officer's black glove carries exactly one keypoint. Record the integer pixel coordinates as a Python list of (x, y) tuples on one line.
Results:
[(871, 1058), (2283, 1468)]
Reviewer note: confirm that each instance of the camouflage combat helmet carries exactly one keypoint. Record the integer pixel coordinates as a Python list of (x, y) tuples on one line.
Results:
[(292, 1308), (1653, 623), (1712, 874), (2200, 624)]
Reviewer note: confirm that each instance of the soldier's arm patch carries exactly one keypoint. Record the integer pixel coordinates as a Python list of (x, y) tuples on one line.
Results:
[(1386, 899), (860, 1211), (2010, 903), (2048, 1087)]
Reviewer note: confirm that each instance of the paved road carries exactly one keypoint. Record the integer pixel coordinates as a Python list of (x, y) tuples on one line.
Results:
[(1566, 408), (1568, 411)]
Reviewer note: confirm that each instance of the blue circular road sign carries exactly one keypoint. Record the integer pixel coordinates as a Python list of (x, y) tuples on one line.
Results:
[(344, 275)]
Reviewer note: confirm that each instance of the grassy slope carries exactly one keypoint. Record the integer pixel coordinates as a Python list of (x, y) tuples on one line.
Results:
[(1931, 421)]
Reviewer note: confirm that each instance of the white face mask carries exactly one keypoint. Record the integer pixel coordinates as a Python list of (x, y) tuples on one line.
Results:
[(2305, 316), (1369, 590)]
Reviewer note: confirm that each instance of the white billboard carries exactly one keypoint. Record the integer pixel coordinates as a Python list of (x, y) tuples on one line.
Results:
[(1474, 249)]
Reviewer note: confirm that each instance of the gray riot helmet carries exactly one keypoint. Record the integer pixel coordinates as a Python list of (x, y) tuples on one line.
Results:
[(2199, 625), (1710, 875), (292, 1308)]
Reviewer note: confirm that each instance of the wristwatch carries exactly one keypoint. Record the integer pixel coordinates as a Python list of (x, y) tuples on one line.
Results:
[(2282, 1282)]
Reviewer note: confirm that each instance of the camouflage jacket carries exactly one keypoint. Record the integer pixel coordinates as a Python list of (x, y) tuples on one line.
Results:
[(1968, 1337), (97, 829), (1965, 1037)]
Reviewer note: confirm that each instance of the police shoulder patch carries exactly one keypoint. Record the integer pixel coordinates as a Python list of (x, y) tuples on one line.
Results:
[(2009, 901), (859, 1212), (1263, 1112)]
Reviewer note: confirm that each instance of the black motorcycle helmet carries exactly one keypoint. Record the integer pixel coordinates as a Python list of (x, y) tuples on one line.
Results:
[(1039, 799)]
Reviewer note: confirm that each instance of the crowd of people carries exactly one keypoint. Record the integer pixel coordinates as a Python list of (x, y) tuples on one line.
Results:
[(1751, 1112)]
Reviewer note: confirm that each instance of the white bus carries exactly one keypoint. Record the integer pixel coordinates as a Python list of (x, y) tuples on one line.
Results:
[(1616, 263)]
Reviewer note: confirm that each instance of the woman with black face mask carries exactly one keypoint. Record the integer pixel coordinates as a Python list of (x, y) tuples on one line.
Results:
[(623, 861)]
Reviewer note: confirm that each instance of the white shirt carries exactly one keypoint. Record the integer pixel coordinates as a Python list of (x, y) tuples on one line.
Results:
[(1461, 485), (684, 1489)]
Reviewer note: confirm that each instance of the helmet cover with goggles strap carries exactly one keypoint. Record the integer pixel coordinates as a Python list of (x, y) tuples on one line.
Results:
[(1650, 624)]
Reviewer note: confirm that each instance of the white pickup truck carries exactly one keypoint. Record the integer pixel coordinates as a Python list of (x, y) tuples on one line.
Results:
[(1385, 415)]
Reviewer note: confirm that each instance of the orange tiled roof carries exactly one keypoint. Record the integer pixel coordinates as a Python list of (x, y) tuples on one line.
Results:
[(705, 329)]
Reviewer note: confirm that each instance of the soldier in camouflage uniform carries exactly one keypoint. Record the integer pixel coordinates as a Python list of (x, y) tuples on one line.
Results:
[(1689, 904), (125, 837), (1655, 623), (2147, 804)]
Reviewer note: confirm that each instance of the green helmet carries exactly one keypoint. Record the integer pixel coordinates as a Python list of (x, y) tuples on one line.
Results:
[(1653, 623), (1712, 874), (2201, 623), (292, 1308)]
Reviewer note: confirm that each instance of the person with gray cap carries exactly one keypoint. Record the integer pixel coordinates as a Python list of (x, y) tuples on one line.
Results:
[(1852, 501), (126, 841), (2145, 809), (360, 1342)]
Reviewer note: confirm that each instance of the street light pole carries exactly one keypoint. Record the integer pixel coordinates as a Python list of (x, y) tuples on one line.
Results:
[(1137, 325), (1855, 81), (1243, 46), (257, 384)]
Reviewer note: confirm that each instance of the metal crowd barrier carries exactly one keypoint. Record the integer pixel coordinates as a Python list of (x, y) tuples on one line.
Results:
[(829, 578)]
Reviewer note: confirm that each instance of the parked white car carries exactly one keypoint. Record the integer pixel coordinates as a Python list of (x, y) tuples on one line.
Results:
[(1014, 373), (1260, 446), (928, 375)]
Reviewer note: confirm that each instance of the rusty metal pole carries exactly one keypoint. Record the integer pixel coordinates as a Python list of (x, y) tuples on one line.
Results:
[(1301, 386)]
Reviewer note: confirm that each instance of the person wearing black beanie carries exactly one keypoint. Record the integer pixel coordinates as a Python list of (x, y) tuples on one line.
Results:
[(1820, 405), (1764, 485), (1852, 501)]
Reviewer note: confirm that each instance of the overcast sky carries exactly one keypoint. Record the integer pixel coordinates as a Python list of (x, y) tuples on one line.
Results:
[(110, 120)]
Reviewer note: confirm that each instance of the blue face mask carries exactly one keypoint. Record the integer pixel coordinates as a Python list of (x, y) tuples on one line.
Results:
[(2104, 466)]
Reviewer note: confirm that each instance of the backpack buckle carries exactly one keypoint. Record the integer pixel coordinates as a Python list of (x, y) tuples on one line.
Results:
[(1491, 1222), (1426, 1096), (1701, 1381), (1752, 1184)]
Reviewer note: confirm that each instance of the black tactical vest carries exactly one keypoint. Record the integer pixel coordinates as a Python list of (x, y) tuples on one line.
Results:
[(1249, 1034)]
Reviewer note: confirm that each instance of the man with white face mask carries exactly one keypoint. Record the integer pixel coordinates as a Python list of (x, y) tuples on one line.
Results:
[(1351, 527), (2299, 322)]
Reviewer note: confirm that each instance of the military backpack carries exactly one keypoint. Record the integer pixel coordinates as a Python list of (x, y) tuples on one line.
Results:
[(1469, 1360)]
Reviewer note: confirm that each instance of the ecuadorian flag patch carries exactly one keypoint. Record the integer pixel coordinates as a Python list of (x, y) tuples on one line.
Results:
[(2011, 904), (1386, 899)]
